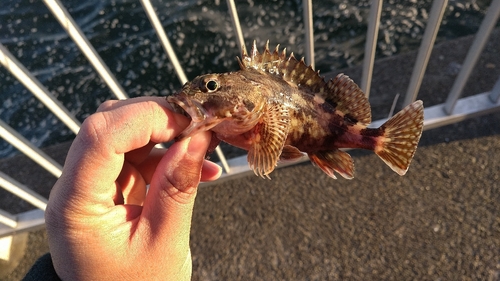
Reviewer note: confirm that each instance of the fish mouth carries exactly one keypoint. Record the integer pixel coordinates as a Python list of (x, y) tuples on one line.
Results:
[(201, 120), (188, 107)]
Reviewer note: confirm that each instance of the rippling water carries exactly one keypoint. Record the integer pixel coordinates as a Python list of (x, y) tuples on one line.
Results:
[(203, 38)]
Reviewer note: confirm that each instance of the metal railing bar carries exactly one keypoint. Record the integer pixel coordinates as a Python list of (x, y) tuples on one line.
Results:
[(371, 45), (469, 107), (424, 53), (473, 54), (68, 23), (8, 219), (27, 221), (465, 108), (160, 31), (309, 30), (393, 106), (495, 92), (223, 160), (236, 24), (22, 191), (38, 90), (23, 145)]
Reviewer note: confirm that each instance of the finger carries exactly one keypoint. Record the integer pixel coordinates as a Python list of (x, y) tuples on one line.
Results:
[(136, 173), (97, 154), (210, 171), (169, 203), (113, 104), (148, 167), (131, 189), (138, 156)]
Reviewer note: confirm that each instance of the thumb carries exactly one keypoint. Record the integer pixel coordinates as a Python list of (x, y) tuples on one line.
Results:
[(169, 204)]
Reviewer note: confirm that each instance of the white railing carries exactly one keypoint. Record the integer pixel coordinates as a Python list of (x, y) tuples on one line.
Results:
[(455, 108)]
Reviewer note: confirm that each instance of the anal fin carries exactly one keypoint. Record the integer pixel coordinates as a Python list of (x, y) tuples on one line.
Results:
[(334, 161), (290, 153)]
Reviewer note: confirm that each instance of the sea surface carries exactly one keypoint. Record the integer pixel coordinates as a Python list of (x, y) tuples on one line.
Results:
[(202, 35)]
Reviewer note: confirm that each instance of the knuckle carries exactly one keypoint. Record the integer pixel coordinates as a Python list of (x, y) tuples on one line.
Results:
[(95, 125), (106, 105)]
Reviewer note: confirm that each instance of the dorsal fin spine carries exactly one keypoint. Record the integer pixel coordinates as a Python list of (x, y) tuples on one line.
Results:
[(242, 64), (254, 52), (244, 52)]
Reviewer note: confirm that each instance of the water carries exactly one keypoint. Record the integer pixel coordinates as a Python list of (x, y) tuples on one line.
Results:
[(203, 38)]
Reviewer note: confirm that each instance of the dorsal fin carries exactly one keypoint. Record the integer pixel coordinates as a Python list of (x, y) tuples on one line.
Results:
[(341, 92), (290, 69), (348, 98)]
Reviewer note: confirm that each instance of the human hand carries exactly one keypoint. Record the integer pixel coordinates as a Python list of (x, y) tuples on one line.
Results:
[(101, 222)]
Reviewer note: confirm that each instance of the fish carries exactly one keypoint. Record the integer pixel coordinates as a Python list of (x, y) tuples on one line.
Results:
[(277, 108)]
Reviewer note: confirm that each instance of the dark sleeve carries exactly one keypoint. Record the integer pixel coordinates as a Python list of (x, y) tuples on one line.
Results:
[(42, 270)]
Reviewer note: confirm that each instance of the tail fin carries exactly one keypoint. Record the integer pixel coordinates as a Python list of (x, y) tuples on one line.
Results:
[(401, 135)]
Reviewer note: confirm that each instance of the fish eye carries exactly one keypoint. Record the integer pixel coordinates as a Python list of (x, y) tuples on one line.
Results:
[(211, 85)]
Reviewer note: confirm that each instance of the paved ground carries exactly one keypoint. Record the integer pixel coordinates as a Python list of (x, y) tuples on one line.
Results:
[(439, 222)]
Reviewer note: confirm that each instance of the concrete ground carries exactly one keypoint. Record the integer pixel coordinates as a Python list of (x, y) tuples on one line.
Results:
[(441, 221)]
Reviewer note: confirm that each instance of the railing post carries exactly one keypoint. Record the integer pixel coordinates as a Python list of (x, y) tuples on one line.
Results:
[(424, 53), (160, 32), (236, 24), (38, 90), (22, 191), (22, 144), (371, 45), (8, 219), (68, 23), (308, 27), (495, 92), (474, 51)]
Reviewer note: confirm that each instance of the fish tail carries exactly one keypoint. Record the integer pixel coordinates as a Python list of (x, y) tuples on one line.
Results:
[(400, 137)]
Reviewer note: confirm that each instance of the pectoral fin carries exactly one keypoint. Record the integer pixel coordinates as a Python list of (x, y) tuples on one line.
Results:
[(268, 138), (334, 161)]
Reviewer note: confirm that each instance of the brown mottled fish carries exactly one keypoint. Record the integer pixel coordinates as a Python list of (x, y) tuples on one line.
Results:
[(277, 107)]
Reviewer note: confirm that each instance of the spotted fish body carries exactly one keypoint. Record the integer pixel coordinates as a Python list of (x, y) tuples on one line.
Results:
[(277, 107)]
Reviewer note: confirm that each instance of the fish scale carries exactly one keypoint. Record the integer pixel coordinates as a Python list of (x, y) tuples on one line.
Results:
[(278, 108)]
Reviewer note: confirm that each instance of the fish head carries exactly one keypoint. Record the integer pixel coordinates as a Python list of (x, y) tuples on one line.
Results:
[(223, 103)]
